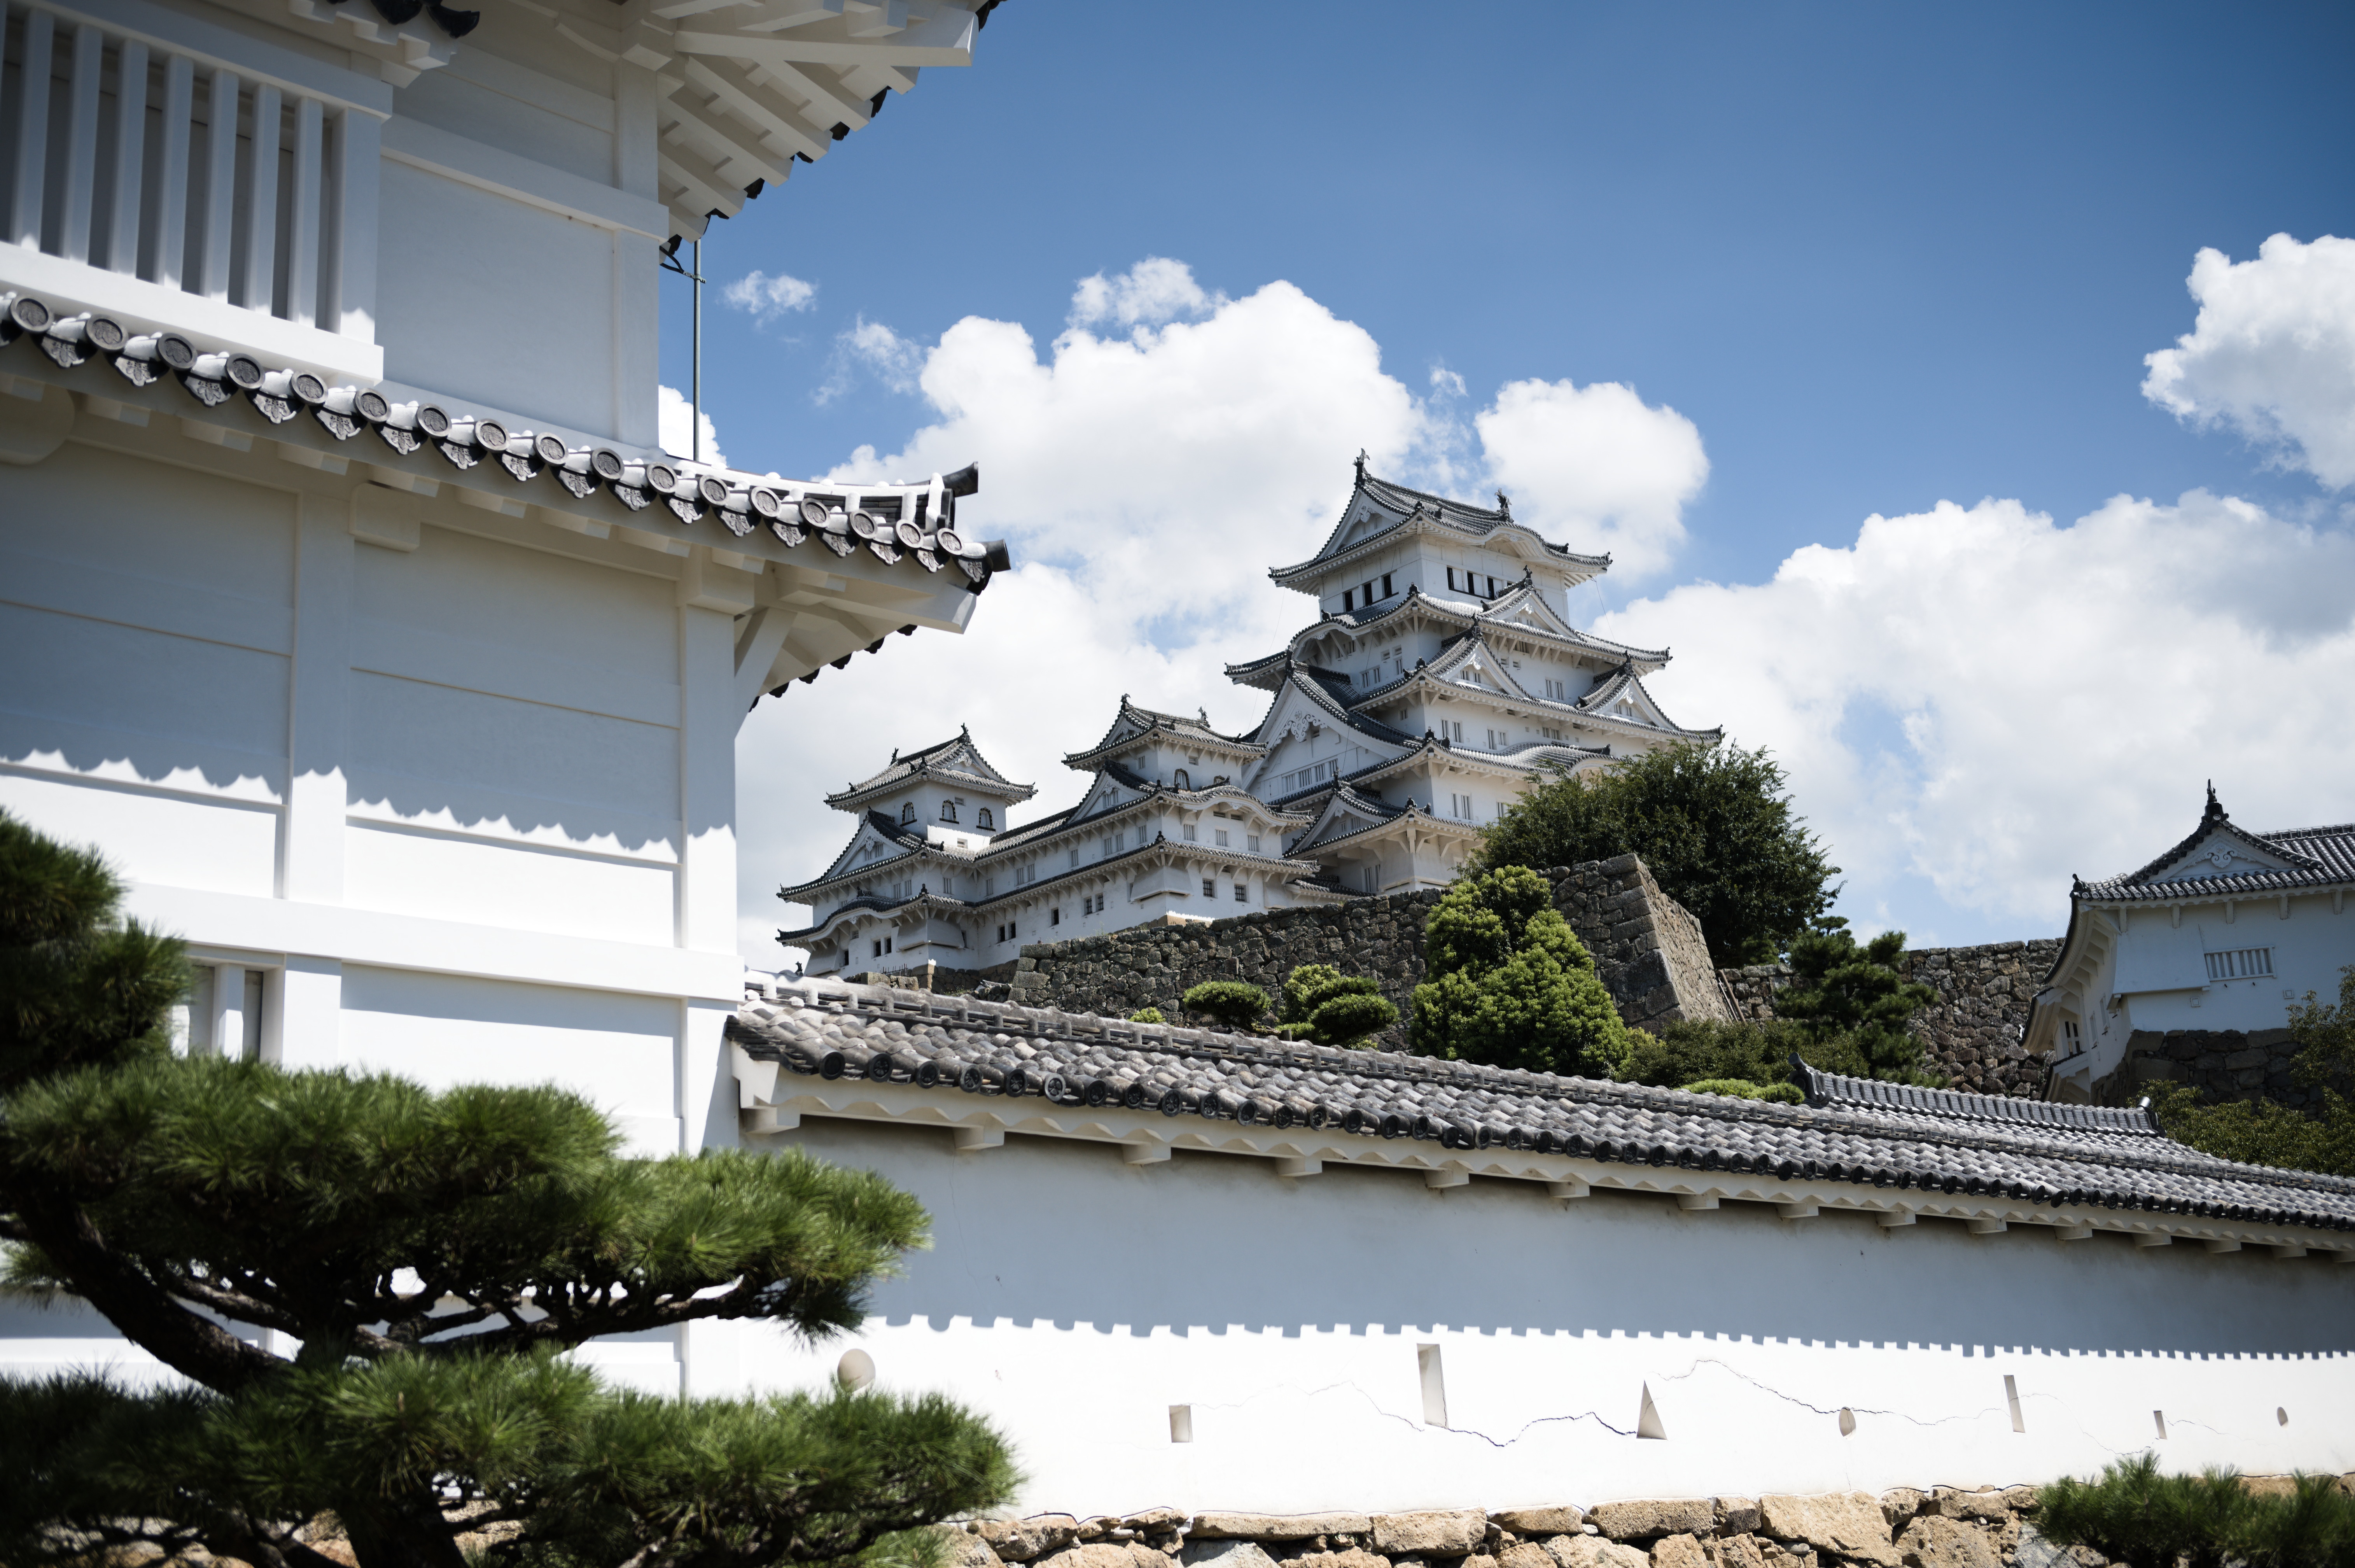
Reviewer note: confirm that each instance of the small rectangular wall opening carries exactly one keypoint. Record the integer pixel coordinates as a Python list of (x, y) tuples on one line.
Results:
[(1181, 1424), (2011, 1397), (2158, 1419), (1434, 1385)]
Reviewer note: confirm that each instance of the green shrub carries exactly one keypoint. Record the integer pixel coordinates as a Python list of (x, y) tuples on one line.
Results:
[(2267, 1133), (1841, 988), (1510, 984), (1737, 1089), (1715, 828), (1692, 1049), (1147, 1016), (1322, 1004), (2138, 1516), (1230, 1002), (1350, 1020)]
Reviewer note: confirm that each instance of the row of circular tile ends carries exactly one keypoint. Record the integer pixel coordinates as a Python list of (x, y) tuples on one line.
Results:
[(908, 1067), (212, 379)]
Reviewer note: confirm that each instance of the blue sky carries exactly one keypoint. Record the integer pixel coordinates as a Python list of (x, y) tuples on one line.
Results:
[(1879, 257)]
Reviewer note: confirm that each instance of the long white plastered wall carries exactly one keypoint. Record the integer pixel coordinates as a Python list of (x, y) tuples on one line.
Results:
[(1293, 1292)]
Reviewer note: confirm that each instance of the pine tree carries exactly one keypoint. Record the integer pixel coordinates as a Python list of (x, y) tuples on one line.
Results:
[(1855, 991), (431, 1256), (1508, 982)]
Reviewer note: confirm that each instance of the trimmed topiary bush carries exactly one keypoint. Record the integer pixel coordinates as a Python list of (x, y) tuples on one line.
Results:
[(1511, 985), (1230, 1002), (1332, 1009), (1741, 1089), (1147, 1016)]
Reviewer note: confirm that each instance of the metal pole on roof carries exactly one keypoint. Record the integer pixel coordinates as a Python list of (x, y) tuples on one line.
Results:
[(695, 394)]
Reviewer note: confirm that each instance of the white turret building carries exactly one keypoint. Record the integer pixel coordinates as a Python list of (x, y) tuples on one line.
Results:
[(352, 607), (1440, 678), (936, 873)]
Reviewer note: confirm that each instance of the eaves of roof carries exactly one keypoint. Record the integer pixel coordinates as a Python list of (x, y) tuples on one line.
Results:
[(641, 492), (1577, 567), (1905, 1154)]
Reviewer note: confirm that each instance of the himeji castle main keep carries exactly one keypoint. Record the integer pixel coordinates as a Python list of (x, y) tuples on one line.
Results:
[(1440, 677)]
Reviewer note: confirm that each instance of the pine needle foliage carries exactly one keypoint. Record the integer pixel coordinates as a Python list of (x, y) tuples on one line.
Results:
[(1715, 826), (1237, 1004), (432, 1254), (2133, 1515), (1322, 1004), (1853, 991), (1509, 984)]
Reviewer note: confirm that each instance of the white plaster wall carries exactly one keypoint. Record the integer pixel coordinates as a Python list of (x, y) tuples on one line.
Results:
[(491, 301), (1075, 1298), (442, 1030), (146, 699), (2310, 948)]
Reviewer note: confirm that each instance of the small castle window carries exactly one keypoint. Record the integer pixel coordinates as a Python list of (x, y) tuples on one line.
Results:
[(1209, 888), (948, 811), (1386, 584), (908, 812), (1348, 599), (1242, 894), (985, 821), (1181, 780), (2241, 964), (1055, 915)]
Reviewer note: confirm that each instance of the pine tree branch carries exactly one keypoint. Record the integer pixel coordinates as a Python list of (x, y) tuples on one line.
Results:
[(126, 1296)]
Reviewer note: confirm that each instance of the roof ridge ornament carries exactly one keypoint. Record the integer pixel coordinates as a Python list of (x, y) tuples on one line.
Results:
[(2215, 811), (1504, 505)]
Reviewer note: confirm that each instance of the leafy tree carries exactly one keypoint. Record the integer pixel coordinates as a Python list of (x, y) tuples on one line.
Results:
[(1841, 989), (1508, 982), (1234, 1003), (432, 1256), (1147, 1016), (2267, 1133), (1715, 826), (1322, 1004)]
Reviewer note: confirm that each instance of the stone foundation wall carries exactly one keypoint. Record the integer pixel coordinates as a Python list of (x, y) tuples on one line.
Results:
[(1971, 1032), (2222, 1065), (1942, 1528), (1648, 950)]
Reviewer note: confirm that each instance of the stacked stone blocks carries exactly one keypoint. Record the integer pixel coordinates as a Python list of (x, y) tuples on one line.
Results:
[(1648, 950), (1905, 1527)]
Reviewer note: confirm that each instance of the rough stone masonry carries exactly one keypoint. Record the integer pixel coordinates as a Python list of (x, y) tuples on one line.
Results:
[(1648, 950), (1941, 1527)]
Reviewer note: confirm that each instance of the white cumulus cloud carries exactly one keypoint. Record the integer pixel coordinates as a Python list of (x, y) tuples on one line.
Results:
[(1147, 466), (1986, 701), (2272, 353), (768, 296), (872, 349), (1596, 464), (676, 419), (1154, 291)]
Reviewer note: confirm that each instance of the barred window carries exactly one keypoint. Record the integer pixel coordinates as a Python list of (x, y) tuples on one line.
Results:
[(1209, 888), (2241, 964)]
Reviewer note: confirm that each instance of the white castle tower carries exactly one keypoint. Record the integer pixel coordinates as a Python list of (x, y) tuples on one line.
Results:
[(1439, 679), (1442, 679), (936, 873)]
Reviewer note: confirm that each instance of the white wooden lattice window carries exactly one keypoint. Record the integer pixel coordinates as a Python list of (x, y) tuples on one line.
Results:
[(2241, 964)]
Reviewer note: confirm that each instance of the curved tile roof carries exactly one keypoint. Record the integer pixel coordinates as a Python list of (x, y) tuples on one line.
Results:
[(2317, 856), (912, 521), (1901, 1141)]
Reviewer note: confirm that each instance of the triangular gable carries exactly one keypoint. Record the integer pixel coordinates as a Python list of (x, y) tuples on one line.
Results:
[(1285, 731), (2221, 849), (1471, 662), (1344, 812)]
